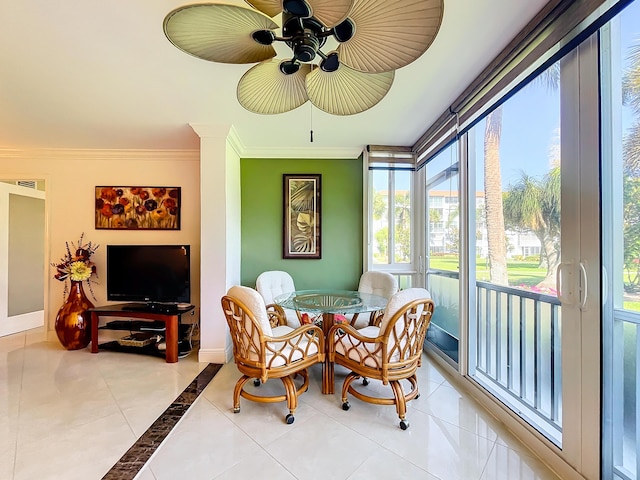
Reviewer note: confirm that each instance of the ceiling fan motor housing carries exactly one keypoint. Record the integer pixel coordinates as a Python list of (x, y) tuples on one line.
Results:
[(304, 36)]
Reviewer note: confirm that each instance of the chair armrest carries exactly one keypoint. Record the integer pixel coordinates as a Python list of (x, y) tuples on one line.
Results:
[(301, 343), (350, 330), (345, 332), (276, 314)]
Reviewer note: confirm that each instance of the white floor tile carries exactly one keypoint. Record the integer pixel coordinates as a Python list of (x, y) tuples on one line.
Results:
[(507, 464), (385, 465), (440, 448), (72, 415)]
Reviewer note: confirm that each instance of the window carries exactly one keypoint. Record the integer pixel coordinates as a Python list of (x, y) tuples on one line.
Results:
[(621, 241), (391, 217), (443, 249)]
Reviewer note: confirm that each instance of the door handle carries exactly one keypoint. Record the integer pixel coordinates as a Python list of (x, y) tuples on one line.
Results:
[(561, 272), (584, 290)]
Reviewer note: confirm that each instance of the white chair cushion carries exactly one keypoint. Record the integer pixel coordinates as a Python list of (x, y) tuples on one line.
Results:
[(273, 283), (283, 358), (281, 330), (399, 300), (378, 283), (345, 347), (255, 303)]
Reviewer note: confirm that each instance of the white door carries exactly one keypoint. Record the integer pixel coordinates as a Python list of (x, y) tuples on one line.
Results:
[(22, 259)]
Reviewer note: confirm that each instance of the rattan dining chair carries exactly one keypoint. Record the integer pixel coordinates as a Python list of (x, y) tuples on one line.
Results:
[(272, 283), (377, 283), (262, 352), (390, 352)]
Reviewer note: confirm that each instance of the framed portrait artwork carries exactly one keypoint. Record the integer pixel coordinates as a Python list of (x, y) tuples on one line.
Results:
[(137, 208), (302, 219)]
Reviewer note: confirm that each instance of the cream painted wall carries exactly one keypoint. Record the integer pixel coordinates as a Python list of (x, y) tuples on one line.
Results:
[(220, 240), (72, 175)]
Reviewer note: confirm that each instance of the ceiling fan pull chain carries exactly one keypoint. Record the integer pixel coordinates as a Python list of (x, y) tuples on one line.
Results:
[(311, 122)]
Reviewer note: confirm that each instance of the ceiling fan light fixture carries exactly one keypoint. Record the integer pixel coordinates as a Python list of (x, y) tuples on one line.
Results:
[(305, 47)]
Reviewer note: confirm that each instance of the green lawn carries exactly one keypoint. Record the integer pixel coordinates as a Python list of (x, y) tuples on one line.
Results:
[(520, 272)]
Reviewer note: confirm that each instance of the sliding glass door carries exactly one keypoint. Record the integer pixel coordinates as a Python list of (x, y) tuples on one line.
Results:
[(620, 73), (534, 335)]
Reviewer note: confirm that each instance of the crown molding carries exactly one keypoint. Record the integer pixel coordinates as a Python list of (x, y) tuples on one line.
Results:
[(234, 141), (97, 154), (231, 135), (302, 153)]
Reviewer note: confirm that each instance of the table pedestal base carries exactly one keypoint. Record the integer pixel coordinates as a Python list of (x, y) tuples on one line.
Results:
[(327, 367)]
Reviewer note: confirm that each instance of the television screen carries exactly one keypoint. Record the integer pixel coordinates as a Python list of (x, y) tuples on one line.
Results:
[(148, 273)]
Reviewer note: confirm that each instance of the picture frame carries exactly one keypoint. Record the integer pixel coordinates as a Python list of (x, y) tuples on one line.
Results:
[(137, 208), (302, 216)]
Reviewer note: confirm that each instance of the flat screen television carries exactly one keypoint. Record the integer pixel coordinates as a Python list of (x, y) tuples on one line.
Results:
[(149, 274)]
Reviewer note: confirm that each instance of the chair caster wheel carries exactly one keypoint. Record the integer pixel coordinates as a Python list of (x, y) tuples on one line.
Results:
[(346, 406), (289, 419), (236, 409), (256, 382), (404, 424), (417, 396), (365, 381)]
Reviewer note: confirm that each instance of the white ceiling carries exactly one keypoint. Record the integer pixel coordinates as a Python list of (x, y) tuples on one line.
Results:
[(100, 74)]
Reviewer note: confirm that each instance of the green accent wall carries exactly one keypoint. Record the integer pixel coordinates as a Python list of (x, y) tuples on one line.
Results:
[(341, 222)]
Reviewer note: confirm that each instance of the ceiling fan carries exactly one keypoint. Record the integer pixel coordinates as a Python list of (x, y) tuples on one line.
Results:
[(373, 37)]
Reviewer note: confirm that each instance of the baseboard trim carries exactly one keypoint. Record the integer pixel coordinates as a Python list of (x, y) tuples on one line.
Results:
[(212, 355)]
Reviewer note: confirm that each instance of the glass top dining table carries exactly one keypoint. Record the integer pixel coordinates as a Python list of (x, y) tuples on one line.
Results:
[(329, 303)]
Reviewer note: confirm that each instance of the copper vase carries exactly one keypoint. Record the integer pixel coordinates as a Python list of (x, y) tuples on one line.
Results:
[(73, 322)]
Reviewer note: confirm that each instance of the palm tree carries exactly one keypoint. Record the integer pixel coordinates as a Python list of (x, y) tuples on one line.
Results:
[(631, 97), (631, 165), (402, 219), (534, 205), (496, 238)]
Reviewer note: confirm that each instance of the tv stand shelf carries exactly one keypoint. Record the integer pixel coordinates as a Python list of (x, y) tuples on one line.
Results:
[(154, 319)]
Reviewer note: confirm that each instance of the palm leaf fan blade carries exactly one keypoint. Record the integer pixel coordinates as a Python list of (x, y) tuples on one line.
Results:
[(331, 12), (266, 90), (390, 35), (219, 32), (347, 91), (268, 7)]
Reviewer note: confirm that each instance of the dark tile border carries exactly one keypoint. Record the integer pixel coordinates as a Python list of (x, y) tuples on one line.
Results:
[(137, 456)]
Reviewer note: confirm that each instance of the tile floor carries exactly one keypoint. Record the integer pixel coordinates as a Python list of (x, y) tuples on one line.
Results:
[(73, 415)]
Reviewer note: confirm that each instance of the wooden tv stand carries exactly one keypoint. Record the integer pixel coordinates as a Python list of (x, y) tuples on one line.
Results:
[(171, 320)]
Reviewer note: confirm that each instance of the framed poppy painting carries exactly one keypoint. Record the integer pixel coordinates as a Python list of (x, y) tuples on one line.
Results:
[(137, 208), (301, 236)]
